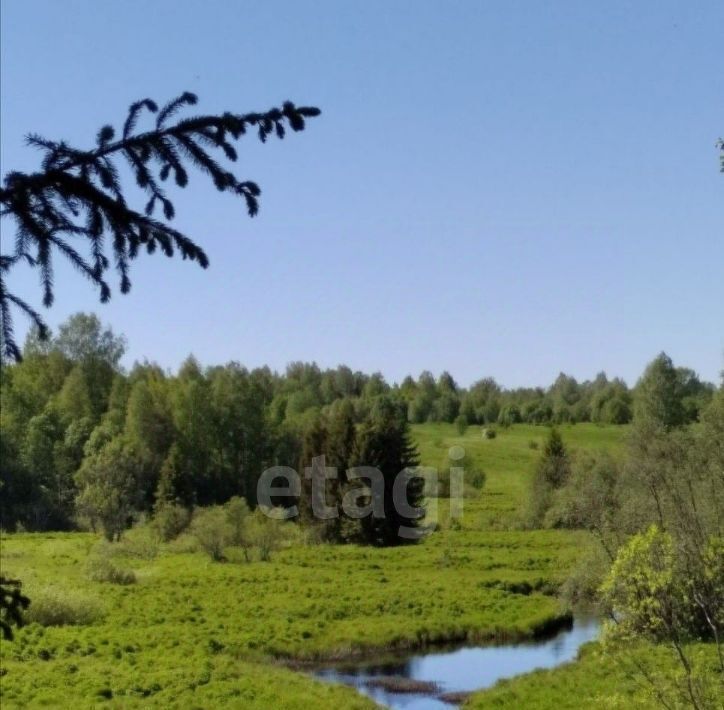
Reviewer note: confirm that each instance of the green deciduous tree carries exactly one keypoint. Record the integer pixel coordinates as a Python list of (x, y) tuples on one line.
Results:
[(149, 428), (96, 352), (648, 591), (38, 455), (194, 426), (21, 496), (658, 396), (108, 492), (73, 402), (242, 438), (82, 338)]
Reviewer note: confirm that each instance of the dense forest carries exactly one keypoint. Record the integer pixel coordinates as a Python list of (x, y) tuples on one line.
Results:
[(86, 444)]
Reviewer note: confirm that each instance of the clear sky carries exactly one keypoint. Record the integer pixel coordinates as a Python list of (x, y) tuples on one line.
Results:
[(494, 188)]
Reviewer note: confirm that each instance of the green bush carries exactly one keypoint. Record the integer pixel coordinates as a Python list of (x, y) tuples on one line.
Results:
[(237, 513), (580, 590), (477, 479), (490, 432), (184, 543), (266, 534), (212, 531), (170, 520), (140, 541), (55, 607)]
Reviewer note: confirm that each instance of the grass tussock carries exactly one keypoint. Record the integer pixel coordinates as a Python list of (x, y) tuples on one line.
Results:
[(100, 569), (52, 606)]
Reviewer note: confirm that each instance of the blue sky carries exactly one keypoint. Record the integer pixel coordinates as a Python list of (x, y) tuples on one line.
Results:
[(494, 188)]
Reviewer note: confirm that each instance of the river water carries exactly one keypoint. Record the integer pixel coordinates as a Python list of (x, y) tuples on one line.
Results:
[(461, 668)]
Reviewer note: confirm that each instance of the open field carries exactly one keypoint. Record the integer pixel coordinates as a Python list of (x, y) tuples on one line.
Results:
[(192, 633), (506, 460)]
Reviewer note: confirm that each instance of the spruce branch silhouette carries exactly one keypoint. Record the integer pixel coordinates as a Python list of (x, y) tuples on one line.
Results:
[(12, 603), (77, 198)]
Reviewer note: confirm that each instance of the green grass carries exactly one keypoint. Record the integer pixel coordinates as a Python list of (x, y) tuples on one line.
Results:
[(507, 461), (600, 679), (192, 633)]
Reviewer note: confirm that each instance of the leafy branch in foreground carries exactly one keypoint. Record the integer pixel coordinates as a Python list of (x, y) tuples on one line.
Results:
[(12, 602), (77, 196)]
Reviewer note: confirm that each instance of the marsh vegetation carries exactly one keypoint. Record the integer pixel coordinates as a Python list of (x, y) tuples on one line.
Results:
[(156, 579)]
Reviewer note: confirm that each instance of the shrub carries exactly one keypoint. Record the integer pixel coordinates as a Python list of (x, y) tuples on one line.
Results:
[(477, 479), (551, 474), (140, 541), (461, 424), (237, 512), (508, 415), (490, 432), (265, 534), (185, 543), (170, 520), (56, 607), (100, 569), (212, 531), (580, 590)]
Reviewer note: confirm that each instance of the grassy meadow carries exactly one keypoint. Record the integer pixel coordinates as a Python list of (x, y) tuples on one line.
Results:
[(193, 633), (506, 460)]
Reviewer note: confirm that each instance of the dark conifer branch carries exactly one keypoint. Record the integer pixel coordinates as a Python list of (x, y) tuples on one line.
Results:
[(78, 195), (12, 604)]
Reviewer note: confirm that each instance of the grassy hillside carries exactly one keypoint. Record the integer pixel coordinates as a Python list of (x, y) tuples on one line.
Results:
[(192, 633), (507, 461)]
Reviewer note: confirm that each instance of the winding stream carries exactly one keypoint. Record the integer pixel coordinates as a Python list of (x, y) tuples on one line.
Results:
[(456, 669)]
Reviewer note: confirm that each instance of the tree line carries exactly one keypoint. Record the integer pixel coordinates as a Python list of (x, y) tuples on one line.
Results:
[(85, 443), (601, 400)]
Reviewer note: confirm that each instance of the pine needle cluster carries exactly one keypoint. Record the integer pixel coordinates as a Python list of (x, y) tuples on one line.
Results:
[(77, 206)]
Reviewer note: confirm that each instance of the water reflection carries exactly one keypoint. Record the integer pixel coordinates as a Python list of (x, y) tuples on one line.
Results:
[(461, 669)]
